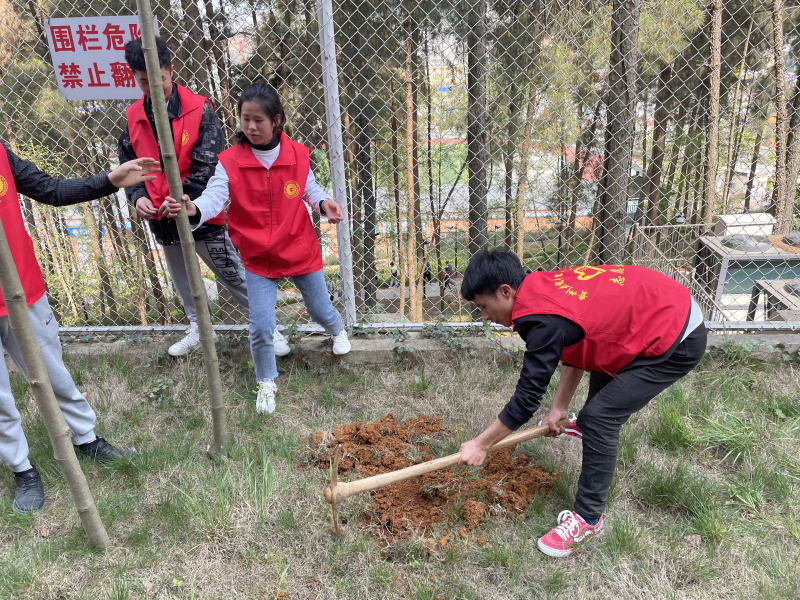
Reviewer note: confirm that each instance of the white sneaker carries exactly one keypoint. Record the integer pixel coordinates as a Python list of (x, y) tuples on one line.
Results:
[(189, 343), (341, 345), (265, 402), (280, 343)]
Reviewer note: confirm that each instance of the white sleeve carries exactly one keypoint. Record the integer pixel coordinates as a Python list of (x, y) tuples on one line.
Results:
[(213, 199), (313, 194)]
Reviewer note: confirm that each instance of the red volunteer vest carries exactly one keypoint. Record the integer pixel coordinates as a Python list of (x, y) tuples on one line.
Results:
[(185, 131), (625, 311), (18, 239), (267, 219)]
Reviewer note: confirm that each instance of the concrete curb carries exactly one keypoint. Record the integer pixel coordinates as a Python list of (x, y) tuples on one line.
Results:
[(315, 350)]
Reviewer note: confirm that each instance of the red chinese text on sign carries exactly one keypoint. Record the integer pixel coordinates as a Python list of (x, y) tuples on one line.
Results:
[(70, 75), (62, 38), (94, 77), (114, 37), (88, 38), (122, 75)]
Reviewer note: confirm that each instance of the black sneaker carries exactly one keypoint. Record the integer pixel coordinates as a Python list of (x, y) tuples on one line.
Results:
[(29, 492), (101, 451)]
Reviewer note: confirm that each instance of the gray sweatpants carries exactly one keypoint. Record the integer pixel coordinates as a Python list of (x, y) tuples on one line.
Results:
[(221, 257), (76, 410)]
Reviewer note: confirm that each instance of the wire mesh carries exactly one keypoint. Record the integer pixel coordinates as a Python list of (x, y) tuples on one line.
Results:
[(661, 134)]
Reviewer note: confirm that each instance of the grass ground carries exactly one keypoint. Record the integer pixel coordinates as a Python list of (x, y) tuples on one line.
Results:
[(717, 455)]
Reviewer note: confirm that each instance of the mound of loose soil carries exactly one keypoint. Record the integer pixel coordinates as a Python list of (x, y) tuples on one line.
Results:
[(415, 505)]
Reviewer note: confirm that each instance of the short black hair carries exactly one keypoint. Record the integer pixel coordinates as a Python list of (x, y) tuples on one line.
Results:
[(487, 271), (134, 55)]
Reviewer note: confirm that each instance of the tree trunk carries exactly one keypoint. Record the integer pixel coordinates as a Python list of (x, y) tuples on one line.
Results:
[(782, 204), (117, 241), (100, 259), (140, 260), (476, 129), (689, 160), (218, 44), (522, 174), (759, 127), (620, 102), (730, 163), (415, 234), (712, 114), (508, 158), (57, 429), (676, 154), (59, 268), (527, 144), (194, 29), (355, 213), (793, 147), (170, 161), (582, 160), (396, 181), (660, 124), (364, 159), (436, 214), (140, 236), (645, 100)]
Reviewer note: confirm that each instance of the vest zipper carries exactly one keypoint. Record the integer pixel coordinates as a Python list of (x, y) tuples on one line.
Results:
[(269, 238)]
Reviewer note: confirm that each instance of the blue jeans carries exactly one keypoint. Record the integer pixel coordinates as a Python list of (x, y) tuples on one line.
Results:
[(263, 294)]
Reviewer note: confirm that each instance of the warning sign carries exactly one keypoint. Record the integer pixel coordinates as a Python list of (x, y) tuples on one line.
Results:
[(88, 56)]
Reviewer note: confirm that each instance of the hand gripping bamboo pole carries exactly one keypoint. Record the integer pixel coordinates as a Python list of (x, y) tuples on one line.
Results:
[(336, 492), (170, 165), (20, 324)]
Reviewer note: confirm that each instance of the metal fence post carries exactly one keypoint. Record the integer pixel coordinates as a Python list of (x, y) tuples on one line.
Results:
[(330, 80)]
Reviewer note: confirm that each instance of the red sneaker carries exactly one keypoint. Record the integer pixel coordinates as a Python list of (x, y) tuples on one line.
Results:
[(571, 530), (572, 430)]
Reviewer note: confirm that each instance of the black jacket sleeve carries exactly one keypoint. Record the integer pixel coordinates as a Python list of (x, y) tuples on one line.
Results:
[(210, 142), (125, 152), (545, 338), (35, 183)]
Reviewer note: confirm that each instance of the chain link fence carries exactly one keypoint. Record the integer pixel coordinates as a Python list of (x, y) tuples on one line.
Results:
[(661, 134)]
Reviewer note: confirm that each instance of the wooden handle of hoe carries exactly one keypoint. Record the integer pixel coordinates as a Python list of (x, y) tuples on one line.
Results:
[(339, 491)]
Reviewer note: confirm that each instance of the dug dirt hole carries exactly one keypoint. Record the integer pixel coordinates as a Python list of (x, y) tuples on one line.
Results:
[(505, 485)]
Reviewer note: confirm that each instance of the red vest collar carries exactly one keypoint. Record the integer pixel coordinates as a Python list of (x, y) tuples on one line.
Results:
[(286, 156)]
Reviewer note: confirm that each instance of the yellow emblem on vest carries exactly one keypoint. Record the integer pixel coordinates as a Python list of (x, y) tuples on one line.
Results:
[(3, 186), (586, 273), (291, 189), (184, 138)]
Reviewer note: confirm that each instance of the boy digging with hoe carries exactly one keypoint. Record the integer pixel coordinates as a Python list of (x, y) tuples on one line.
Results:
[(635, 330)]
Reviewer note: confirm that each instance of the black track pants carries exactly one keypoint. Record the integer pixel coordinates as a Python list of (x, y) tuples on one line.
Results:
[(611, 402)]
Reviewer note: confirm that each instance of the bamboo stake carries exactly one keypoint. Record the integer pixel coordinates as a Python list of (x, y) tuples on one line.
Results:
[(170, 165), (336, 492), (63, 452)]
